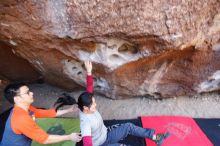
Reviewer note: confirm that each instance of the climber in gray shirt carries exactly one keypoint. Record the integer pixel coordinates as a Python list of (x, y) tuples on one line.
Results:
[(92, 125), (93, 130)]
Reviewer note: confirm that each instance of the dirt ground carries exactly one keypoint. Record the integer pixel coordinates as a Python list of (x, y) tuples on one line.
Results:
[(202, 106)]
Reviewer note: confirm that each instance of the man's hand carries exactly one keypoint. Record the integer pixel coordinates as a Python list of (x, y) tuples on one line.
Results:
[(59, 138), (73, 108), (88, 65), (75, 137)]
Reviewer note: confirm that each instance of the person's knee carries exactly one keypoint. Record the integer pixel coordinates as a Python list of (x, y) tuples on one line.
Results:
[(129, 125)]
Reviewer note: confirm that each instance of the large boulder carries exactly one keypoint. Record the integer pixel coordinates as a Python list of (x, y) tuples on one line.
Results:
[(3, 83), (15, 68), (138, 48)]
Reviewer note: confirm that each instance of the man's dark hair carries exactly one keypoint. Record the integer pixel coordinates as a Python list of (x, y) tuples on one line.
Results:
[(11, 91)]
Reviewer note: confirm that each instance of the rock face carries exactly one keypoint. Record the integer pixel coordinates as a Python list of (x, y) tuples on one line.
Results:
[(138, 48), (14, 67), (3, 83)]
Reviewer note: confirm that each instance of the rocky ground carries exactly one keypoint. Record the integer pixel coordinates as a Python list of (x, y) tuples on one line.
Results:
[(203, 106)]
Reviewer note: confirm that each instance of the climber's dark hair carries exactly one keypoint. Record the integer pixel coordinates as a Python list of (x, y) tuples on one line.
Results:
[(63, 100), (85, 99), (12, 90)]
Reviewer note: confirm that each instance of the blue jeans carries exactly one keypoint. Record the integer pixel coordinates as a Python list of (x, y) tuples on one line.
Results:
[(123, 131)]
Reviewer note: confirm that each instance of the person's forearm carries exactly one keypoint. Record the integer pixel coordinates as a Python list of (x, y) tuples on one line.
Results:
[(87, 141), (89, 83), (56, 138)]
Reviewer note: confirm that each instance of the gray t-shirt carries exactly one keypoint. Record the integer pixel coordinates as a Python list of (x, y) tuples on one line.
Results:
[(92, 125)]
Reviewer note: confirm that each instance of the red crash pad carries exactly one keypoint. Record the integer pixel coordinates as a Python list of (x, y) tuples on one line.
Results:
[(184, 131)]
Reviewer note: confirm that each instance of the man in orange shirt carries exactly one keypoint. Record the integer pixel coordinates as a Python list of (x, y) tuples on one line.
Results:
[(21, 128)]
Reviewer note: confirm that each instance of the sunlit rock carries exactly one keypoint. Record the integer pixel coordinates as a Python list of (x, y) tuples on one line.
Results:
[(138, 48), (211, 84)]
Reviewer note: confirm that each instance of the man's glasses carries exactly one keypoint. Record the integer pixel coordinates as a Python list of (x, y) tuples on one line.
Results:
[(28, 92)]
